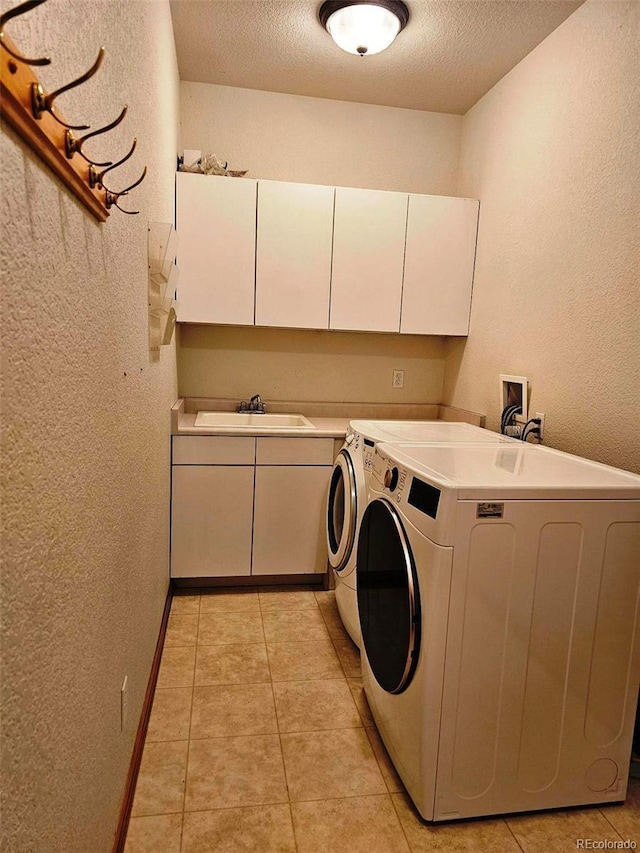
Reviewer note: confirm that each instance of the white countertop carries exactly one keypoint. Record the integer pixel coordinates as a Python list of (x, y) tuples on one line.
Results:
[(330, 420)]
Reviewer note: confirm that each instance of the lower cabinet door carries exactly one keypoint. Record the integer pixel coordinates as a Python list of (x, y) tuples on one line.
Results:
[(288, 530), (211, 520)]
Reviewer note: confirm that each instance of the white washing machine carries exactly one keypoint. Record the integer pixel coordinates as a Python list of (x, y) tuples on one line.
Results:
[(347, 494), (498, 591)]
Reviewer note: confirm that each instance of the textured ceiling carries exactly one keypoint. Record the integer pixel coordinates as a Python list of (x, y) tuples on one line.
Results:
[(451, 53)]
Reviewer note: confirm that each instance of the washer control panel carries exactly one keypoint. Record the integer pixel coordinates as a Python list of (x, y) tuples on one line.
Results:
[(368, 452), (421, 499), (390, 477)]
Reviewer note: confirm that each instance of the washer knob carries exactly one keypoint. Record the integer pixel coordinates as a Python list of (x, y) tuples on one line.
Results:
[(391, 479), (349, 438)]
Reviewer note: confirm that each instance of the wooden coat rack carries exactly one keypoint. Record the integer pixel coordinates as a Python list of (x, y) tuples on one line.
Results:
[(32, 114)]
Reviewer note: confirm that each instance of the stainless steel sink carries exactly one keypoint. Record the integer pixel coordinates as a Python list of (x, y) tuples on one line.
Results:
[(250, 420)]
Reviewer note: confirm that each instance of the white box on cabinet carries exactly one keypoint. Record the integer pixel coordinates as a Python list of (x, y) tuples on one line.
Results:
[(293, 254), (216, 223), (368, 257), (438, 268)]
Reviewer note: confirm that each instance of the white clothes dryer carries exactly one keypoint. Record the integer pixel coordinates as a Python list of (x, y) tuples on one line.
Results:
[(347, 493), (498, 592)]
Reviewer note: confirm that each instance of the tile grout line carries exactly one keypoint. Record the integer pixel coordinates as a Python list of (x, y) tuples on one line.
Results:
[(614, 828), (333, 640), (293, 732), (275, 710), (179, 740), (260, 805), (513, 835), (193, 687), (384, 779), (398, 818), (364, 726), (342, 666)]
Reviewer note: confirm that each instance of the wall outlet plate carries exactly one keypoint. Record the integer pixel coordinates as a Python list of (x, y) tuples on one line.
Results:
[(124, 703), (398, 379)]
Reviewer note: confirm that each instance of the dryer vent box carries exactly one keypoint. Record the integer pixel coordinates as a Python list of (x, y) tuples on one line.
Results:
[(513, 392)]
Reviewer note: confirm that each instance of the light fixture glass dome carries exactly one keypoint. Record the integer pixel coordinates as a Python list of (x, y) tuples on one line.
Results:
[(363, 28)]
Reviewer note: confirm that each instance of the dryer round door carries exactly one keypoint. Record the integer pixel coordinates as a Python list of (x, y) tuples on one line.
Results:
[(388, 597), (342, 511)]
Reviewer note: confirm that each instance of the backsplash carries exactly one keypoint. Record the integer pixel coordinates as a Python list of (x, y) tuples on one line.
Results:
[(306, 365)]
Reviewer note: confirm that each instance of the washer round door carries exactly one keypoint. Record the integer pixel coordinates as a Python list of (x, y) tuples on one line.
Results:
[(388, 597), (342, 511)]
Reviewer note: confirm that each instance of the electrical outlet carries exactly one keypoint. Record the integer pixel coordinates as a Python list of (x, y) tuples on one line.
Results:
[(398, 379), (540, 425), (124, 703)]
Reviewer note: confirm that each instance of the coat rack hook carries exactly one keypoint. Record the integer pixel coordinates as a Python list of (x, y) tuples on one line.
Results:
[(96, 178), (73, 145), (122, 210), (41, 103), (111, 198), (13, 13)]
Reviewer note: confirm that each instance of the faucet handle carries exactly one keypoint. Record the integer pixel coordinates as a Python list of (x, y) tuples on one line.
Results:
[(242, 406), (256, 404)]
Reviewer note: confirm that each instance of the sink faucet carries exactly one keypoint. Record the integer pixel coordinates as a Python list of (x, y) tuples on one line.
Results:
[(255, 405)]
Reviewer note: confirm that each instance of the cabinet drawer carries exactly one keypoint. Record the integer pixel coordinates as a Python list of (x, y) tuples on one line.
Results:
[(294, 451), (213, 450)]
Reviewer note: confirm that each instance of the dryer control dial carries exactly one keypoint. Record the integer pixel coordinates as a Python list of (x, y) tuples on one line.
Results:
[(391, 478), (349, 437)]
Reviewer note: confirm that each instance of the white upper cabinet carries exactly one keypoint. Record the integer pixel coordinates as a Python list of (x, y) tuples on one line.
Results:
[(439, 261), (293, 254), (216, 224), (368, 256), (323, 257)]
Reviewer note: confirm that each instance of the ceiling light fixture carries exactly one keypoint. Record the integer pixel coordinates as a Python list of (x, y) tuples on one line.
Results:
[(363, 26)]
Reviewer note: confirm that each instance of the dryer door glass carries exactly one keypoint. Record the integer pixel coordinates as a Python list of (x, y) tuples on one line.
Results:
[(341, 511), (388, 599)]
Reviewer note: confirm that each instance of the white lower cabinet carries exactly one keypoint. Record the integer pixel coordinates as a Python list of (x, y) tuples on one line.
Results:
[(211, 520), (288, 525), (248, 506)]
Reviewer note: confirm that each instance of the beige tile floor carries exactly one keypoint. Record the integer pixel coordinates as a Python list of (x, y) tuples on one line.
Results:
[(260, 739)]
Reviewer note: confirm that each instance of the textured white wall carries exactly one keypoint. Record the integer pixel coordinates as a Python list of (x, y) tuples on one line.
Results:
[(85, 435), (552, 153), (318, 141), (314, 140)]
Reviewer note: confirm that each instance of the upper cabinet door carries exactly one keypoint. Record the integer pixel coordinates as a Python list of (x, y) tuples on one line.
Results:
[(439, 260), (293, 256), (368, 255), (216, 225)]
